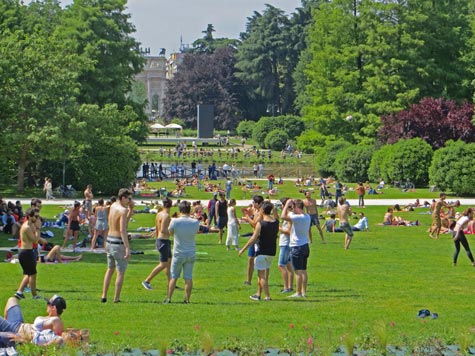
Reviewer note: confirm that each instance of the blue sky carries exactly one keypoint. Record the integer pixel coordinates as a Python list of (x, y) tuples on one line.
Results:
[(161, 23)]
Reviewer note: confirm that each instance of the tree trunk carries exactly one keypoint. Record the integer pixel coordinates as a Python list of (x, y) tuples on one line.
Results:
[(20, 181), (64, 173)]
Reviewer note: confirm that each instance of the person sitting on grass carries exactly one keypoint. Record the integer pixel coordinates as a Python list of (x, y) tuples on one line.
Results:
[(388, 217), (330, 224)]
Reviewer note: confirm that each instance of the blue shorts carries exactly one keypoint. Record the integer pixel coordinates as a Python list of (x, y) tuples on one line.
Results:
[(284, 255), (299, 256), (251, 251), (184, 263), (164, 248), (314, 220)]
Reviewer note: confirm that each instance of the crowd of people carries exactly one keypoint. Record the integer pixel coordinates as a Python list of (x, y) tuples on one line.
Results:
[(287, 224)]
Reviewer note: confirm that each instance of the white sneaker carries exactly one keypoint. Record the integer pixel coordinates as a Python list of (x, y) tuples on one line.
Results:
[(295, 295)]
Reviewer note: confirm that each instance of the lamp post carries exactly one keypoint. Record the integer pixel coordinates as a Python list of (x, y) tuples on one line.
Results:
[(273, 109)]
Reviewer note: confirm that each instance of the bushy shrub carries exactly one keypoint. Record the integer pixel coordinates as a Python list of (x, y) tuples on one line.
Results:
[(291, 125), (406, 159), (309, 140), (245, 127), (325, 156), (262, 128), (276, 140), (107, 175), (452, 169), (378, 168), (352, 163)]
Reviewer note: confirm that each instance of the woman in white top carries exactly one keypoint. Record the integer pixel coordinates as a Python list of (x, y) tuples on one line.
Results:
[(233, 226), (285, 264), (459, 236)]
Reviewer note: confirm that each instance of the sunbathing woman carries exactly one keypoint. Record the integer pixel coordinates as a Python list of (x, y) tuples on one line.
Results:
[(54, 255), (44, 331)]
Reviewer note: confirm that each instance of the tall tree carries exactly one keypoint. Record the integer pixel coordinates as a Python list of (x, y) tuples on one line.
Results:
[(39, 70), (205, 79), (261, 62), (103, 30), (368, 58), (208, 44)]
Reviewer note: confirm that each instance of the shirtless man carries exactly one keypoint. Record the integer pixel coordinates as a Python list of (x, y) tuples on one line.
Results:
[(436, 218), (88, 200), (162, 243), (117, 243), (344, 210), (29, 234), (311, 208), (73, 225)]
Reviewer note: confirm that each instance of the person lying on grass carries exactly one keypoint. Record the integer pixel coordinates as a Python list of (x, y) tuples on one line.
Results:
[(53, 256), (45, 330)]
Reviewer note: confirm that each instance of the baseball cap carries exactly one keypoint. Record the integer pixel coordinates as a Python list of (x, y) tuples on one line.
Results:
[(58, 302)]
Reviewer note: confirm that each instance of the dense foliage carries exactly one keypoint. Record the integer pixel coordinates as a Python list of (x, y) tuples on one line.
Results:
[(292, 126), (205, 78), (434, 120), (452, 168), (325, 156), (352, 163), (406, 159), (52, 61), (276, 140), (373, 58)]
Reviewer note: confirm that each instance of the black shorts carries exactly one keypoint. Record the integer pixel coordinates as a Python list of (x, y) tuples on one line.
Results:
[(27, 262), (222, 222), (164, 249), (74, 225), (299, 256), (314, 220)]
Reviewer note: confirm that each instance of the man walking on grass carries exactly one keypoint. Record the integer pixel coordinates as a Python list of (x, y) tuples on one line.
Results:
[(344, 210), (183, 229), (163, 245)]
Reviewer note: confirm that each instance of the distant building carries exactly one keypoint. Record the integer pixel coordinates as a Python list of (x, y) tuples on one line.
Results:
[(173, 62), (153, 78)]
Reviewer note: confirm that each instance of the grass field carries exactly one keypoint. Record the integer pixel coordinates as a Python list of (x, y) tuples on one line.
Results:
[(369, 295)]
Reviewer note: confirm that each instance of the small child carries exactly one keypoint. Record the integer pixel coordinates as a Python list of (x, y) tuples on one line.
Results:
[(233, 226), (330, 223)]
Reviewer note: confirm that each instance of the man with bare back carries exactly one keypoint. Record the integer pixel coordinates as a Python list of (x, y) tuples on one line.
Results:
[(311, 207), (162, 243), (344, 211)]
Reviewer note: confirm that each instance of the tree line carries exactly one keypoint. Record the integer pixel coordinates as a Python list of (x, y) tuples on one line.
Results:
[(364, 72), (64, 78)]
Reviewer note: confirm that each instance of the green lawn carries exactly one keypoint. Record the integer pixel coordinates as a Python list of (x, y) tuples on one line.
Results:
[(368, 293), (288, 189)]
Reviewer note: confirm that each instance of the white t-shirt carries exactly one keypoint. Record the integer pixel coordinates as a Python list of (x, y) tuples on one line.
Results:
[(299, 230), (461, 223), (284, 239), (184, 230)]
